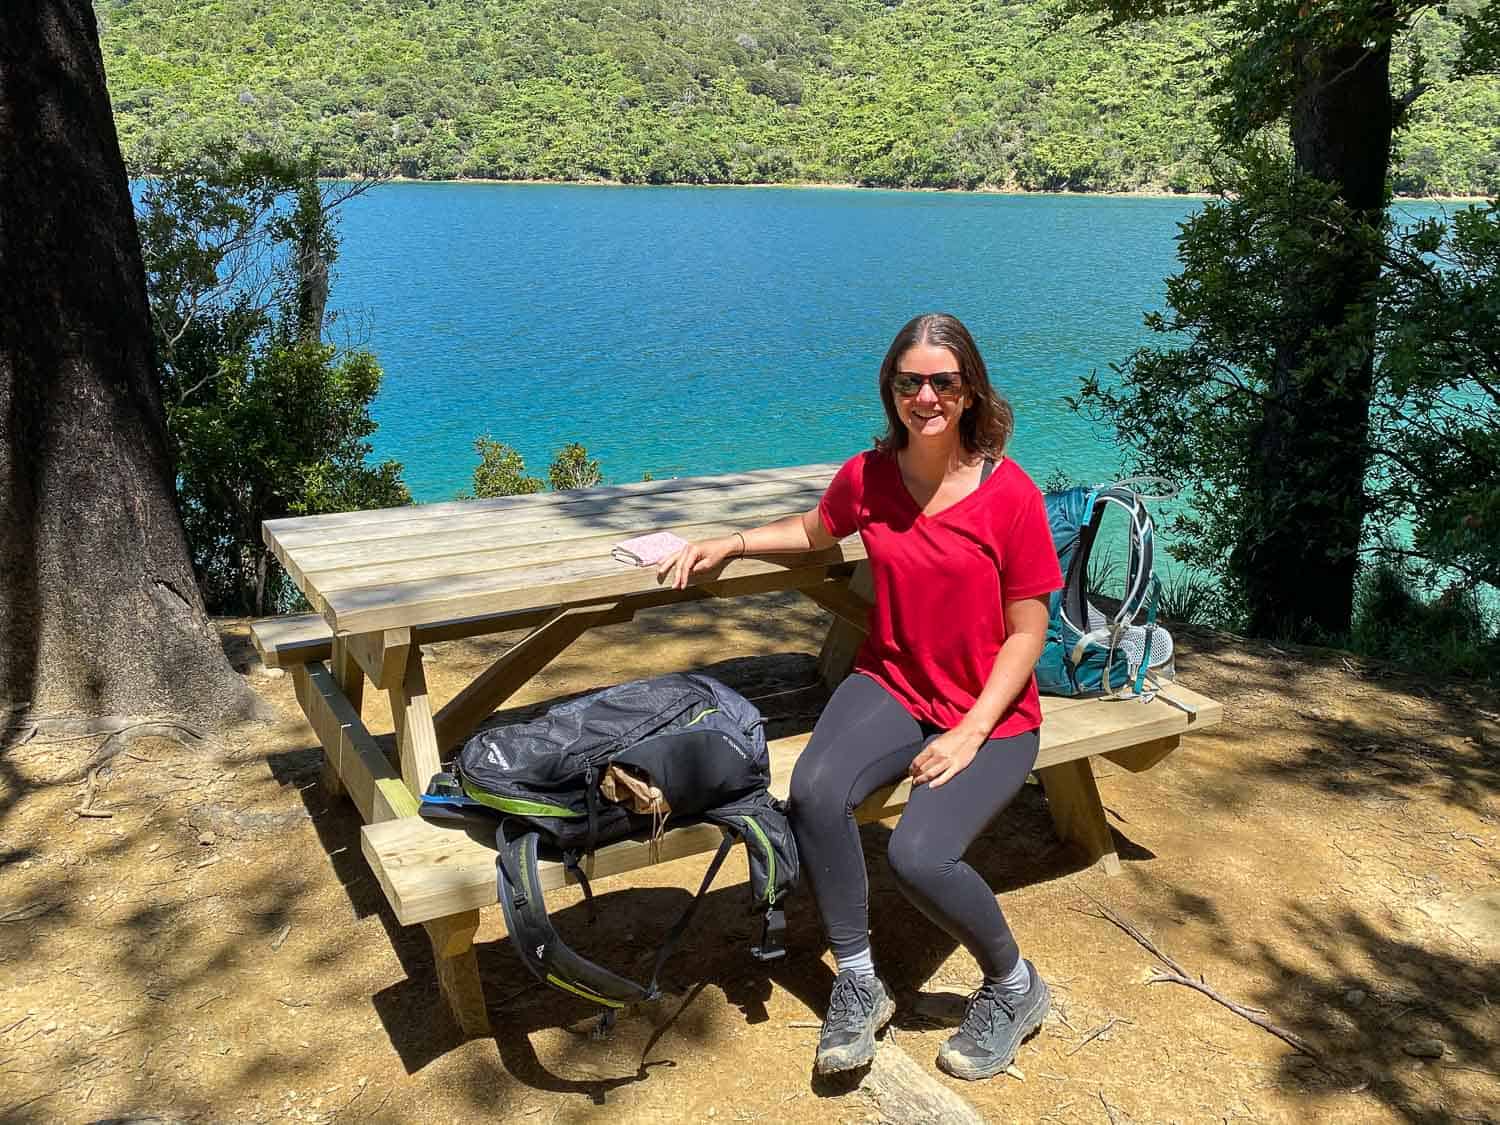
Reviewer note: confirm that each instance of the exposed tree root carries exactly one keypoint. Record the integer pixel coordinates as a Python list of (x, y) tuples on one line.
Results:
[(117, 731)]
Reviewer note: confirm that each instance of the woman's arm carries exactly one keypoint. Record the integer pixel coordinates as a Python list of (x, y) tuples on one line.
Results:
[(953, 750), (801, 532)]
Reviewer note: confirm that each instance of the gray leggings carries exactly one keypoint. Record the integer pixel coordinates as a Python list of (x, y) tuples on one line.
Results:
[(864, 740)]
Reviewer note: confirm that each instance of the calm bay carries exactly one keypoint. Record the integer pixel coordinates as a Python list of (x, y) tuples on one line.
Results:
[(679, 331)]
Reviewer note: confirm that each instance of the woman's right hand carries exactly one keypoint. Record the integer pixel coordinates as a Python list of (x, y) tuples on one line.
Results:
[(705, 554)]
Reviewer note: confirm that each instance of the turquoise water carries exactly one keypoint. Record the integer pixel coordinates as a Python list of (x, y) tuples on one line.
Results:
[(679, 331)]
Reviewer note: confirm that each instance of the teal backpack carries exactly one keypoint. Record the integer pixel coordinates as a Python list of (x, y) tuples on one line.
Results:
[(1089, 652)]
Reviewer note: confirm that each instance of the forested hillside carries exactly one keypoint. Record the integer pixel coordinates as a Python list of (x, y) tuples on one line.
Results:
[(942, 93)]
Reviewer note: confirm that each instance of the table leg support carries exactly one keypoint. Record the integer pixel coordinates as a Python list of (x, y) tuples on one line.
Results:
[(458, 971), (464, 712), (351, 680), (416, 740), (843, 640), (1073, 800), (328, 781)]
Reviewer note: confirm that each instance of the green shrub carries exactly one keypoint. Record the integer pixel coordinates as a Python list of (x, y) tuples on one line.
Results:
[(1446, 634), (265, 420), (1058, 480), (571, 468), (501, 471), (280, 432), (1191, 598)]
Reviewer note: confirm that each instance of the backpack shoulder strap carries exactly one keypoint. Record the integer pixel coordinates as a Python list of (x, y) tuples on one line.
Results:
[(545, 954), (1139, 566), (535, 940), (674, 935)]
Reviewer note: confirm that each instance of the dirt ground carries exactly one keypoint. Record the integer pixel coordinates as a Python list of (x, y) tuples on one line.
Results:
[(215, 948)]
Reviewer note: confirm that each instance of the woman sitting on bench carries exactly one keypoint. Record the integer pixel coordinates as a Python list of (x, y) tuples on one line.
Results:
[(942, 690)]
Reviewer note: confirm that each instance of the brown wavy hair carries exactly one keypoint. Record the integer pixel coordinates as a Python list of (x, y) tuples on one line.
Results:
[(986, 424)]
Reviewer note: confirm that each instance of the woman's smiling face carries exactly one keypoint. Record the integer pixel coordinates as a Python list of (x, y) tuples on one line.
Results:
[(939, 401)]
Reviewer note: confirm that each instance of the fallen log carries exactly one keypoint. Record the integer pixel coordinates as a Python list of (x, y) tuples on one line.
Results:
[(905, 1091)]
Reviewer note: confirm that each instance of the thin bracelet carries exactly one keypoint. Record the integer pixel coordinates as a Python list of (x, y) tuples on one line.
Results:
[(743, 547)]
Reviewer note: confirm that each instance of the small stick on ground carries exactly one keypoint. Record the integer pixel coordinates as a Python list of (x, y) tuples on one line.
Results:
[(1179, 975), (28, 913), (1091, 1036), (86, 806)]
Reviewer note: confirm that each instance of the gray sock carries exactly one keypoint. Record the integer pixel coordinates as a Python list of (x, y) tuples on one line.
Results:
[(1017, 980), (862, 964)]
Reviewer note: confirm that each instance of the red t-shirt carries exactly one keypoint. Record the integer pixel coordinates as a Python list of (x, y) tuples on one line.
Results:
[(941, 583)]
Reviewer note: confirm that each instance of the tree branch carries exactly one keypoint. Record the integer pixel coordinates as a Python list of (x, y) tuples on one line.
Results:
[(1401, 104), (1350, 69), (1406, 552), (1179, 975)]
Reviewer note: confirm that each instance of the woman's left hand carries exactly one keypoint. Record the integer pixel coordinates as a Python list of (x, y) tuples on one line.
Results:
[(944, 758)]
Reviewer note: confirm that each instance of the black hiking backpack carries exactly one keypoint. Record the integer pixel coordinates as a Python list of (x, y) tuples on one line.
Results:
[(700, 744)]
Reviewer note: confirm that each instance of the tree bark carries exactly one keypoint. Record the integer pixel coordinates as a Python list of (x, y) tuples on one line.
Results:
[(1312, 448), (312, 264), (99, 611)]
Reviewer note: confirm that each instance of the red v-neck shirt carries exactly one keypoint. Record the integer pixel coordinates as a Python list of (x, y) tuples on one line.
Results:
[(941, 583)]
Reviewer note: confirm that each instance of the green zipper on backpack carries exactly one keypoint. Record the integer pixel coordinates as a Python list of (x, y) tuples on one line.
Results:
[(516, 805), (770, 860)]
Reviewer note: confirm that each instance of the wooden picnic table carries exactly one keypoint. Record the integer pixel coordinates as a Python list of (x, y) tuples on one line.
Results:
[(384, 583)]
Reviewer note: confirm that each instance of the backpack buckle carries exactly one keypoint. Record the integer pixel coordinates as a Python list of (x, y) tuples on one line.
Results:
[(605, 1026), (772, 933)]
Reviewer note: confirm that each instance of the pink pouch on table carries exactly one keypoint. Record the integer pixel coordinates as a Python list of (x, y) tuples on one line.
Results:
[(648, 550)]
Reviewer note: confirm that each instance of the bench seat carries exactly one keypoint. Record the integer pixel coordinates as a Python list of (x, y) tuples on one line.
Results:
[(285, 642), (429, 871)]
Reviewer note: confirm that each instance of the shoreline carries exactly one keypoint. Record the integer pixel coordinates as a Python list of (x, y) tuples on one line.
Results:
[(820, 185)]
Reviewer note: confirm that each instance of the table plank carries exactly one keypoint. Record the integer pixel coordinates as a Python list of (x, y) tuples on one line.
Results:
[(409, 567), (335, 527), (489, 561), (581, 582), (495, 533), (520, 523)]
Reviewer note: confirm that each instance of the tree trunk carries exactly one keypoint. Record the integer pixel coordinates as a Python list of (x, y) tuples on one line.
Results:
[(262, 568), (1312, 449), (312, 263), (99, 612)]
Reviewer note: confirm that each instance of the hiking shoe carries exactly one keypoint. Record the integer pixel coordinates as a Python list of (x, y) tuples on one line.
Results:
[(857, 1009), (993, 1028)]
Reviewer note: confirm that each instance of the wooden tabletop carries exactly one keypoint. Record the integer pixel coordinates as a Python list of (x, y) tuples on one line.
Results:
[(467, 558)]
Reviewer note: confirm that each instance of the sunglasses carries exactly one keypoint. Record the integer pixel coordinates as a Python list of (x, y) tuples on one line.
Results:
[(945, 384)]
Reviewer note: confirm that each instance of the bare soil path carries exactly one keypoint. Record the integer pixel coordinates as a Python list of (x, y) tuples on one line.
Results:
[(215, 949)]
